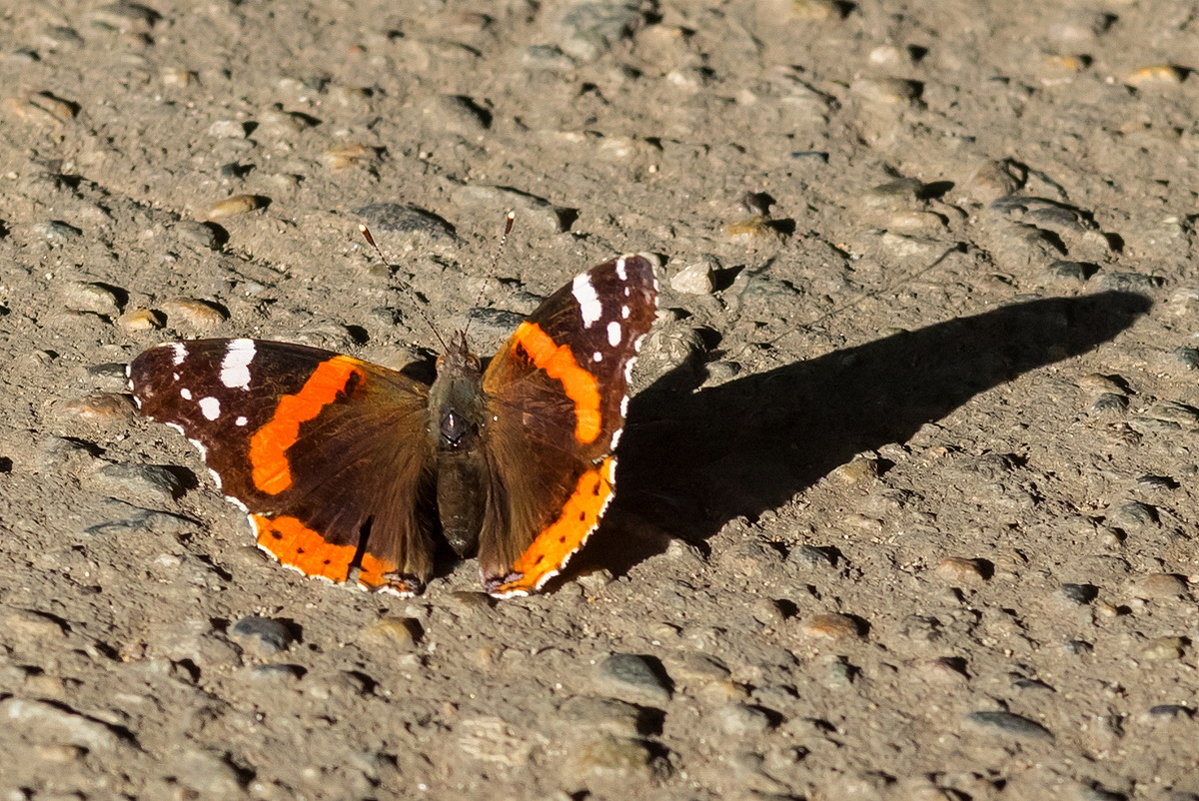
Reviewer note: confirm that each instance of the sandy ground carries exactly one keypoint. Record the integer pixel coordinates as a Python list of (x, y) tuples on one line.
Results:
[(907, 505)]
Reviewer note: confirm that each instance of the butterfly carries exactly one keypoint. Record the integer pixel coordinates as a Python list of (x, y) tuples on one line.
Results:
[(350, 471)]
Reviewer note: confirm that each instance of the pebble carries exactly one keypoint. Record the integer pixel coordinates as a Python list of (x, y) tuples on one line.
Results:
[(1130, 282), (126, 518), (1009, 723), (125, 16), (199, 315), (100, 406), (1133, 515), (694, 666), (176, 77), (228, 129), (92, 297), (348, 156), (1179, 413), (1159, 585), (459, 114), (858, 470), (897, 194), (1170, 712), (958, 570), (753, 228), (283, 124), (833, 627), (1080, 594), (619, 758), (814, 557), (1161, 649), (400, 218), (279, 674), (152, 484), (945, 668), (1097, 382), (588, 30), (636, 674), (1110, 403), (392, 633), (202, 236), (743, 719), (231, 207), (817, 11), (993, 180), (45, 721), (1158, 74), (531, 210), (263, 636), (607, 715), (29, 623), (695, 278), (43, 108), (1076, 271), (887, 91), (1187, 357), (206, 773), (135, 321)]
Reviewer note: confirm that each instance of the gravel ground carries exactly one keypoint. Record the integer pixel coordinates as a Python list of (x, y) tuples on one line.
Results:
[(908, 492)]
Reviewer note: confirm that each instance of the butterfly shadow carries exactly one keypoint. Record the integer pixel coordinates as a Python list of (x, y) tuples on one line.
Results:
[(691, 460)]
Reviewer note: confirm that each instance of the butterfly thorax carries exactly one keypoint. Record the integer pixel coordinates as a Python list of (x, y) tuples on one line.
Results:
[(457, 425)]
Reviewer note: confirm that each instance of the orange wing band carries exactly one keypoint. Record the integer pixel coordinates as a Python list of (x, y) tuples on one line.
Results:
[(296, 545), (268, 446), (554, 546), (558, 361)]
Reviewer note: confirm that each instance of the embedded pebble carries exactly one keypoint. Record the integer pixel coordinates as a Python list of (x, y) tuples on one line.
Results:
[(350, 155), (228, 129), (135, 321), (833, 627), (899, 193), (1158, 74), (816, 10), (459, 114), (945, 669), (1097, 382), (200, 315), (611, 757), (43, 108), (99, 406), (278, 123), (41, 720), (859, 469), (144, 482), (207, 773), (743, 719), (1130, 282), (695, 278), (588, 30), (1109, 402), (1170, 712), (607, 715), (1133, 515), (752, 228), (176, 77), (637, 674), (1187, 357), (887, 91), (202, 236), (958, 570), (280, 674), (392, 633), (33, 624), (698, 667), (263, 636), (230, 207), (814, 556), (1173, 411), (1163, 649), (1159, 585), (92, 297), (1009, 723), (1075, 271), (401, 218)]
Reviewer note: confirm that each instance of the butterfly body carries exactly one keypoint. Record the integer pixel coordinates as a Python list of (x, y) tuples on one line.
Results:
[(350, 471)]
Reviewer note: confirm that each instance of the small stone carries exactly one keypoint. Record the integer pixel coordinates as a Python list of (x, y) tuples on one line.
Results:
[(887, 91), (263, 636), (202, 236), (228, 129), (815, 10), (1170, 712), (1080, 594), (1158, 74), (751, 228), (1099, 383), (148, 483), (231, 206), (392, 633), (348, 156), (1187, 357), (100, 406), (1162, 649), (742, 719), (636, 674), (1173, 411), (42, 108), (42, 720), (135, 321), (199, 315), (606, 756), (607, 715), (404, 219), (92, 297), (1073, 271), (459, 114), (588, 30), (278, 123), (1133, 515), (276, 674), (1131, 282), (176, 77), (814, 557), (31, 624), (207, 773), (1110, 403), (1008, 723), (1159, 585), (945, 669), (858, 470), (693, 666), (695, 278), (957, 570), (833, 627)]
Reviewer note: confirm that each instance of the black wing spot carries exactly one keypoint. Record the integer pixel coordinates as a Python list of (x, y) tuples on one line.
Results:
[(582, 517), (562, 540), (275, 534)]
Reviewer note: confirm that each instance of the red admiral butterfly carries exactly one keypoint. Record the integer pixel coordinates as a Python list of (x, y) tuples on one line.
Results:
[(345, 468)]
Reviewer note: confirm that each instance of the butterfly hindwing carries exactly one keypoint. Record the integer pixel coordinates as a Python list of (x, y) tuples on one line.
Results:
[(318, 449), (558, 393)]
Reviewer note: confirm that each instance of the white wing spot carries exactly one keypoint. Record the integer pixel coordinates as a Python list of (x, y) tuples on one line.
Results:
[(240, 421), (621, 273), (624, 406), (180, 351), (625, 312), (597, 357), (210, 408), (235, 367), (614, 333), (185, 393), (590, 306), (616, 438)]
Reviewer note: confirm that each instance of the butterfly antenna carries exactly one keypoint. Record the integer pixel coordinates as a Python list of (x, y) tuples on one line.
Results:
[(509, 221), (366, 234)]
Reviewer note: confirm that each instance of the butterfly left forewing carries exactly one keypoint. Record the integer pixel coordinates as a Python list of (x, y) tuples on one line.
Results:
[(558, 393)]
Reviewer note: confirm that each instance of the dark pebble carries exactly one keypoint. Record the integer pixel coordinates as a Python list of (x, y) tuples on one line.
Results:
[(1170, 711), (400, 218), (1150, 481), (636, 673), (1187, 357), (141, 481), (1110, 402), (276, 673), (199, 235), (1130, 282), (58, 231), (1071, 270), (591, 29), (1080, 594), (263, 635), (1010, 723)]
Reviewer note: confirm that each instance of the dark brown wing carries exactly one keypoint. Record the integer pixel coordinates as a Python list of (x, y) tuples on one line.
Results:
[(558, 391), (314, 446)]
